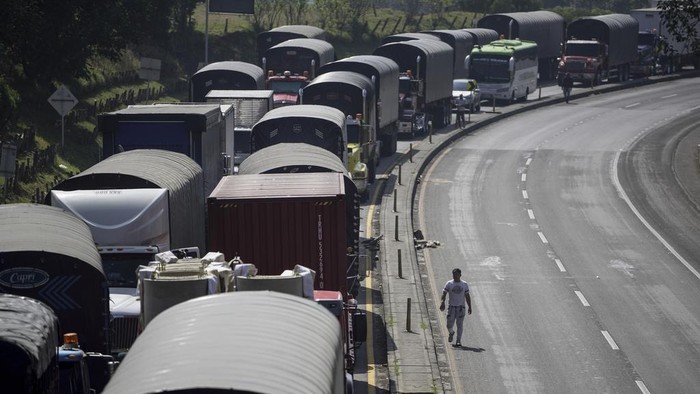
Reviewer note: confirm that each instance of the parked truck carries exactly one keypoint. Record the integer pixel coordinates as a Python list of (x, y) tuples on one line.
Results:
[(226, 75), (305, 158), (353, 94), (277, 35), (647, 54), (32, 358), (384, 74), (409, 36), (249, 107), (282, 220), (201, 131), (545, 28), (671, 54), (425, 83), (247, 341), (599, 48), (462, 43), (482, 36), (136, 203), (292, 64), (49, 255)]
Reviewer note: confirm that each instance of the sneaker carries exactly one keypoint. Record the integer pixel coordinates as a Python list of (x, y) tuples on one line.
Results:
[(458, 344), (452, 335)]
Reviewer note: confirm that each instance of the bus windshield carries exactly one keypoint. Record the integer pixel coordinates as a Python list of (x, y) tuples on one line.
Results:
[(490, 68)]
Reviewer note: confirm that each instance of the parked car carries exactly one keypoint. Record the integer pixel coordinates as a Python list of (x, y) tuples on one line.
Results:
[(470, 89)]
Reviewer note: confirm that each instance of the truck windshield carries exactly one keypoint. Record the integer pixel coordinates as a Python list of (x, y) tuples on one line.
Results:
[(489, 68), (404, 85), (120, 268), (353, 133), (583, 49), (241, 140), (286, 86)]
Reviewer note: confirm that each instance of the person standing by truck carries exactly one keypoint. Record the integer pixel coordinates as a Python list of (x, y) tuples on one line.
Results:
[(460, 103), (566, 85), (459, 301)]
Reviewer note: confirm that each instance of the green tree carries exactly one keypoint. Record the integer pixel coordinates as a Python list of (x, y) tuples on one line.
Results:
[(267, 14), (682, 19)]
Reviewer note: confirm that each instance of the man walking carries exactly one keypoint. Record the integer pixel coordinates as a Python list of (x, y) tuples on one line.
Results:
[(460, 103), (459, 296)]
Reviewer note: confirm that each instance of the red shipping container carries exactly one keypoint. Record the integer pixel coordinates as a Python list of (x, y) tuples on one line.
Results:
[(276, 221)]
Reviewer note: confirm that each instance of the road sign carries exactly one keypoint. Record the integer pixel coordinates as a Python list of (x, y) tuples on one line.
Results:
[(150, 69), (63, 100)]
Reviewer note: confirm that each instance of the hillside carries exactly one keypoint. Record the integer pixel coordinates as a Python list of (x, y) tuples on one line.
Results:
[(41, 160)]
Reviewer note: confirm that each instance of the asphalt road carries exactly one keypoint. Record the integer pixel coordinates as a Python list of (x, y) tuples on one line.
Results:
[(578, 249)]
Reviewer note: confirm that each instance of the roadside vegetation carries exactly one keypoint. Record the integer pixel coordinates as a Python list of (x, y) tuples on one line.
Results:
[(94, 48)]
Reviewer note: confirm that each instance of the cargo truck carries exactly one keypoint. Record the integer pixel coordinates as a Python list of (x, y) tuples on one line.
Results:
[(425, 83), (400, 37), (32, 359), (292, 64), (49, 255), (136, 203), (201, 131), (246, 341), (599, 48), (671, 53), (249, 106), (384, 74), (227, 75), (461, 42), (481, 36), (316, 125), (276, 221), (353, 94), (545, 28), (277, 35), (305, 158), (647, 54)]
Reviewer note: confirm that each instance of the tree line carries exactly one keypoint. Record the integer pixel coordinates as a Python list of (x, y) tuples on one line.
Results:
[(46, 41)]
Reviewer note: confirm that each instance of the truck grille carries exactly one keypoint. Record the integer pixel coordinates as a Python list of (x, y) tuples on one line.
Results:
[(124, 331), (574, 66)]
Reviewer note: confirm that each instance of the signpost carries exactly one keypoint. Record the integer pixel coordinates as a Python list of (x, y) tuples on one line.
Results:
[(63, 101)]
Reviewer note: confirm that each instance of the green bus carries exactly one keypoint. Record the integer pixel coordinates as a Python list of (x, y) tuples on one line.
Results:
[(504, 69)]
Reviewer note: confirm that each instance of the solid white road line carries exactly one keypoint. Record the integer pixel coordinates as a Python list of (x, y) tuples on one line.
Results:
[(669, 96), (542, 237), (525, 194), (527, 163), (523, 177), (531, 214), (642, 387), (632, 105)]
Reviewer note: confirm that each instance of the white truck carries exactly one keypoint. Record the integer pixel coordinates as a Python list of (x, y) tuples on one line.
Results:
[(136, 203), (249, 106)]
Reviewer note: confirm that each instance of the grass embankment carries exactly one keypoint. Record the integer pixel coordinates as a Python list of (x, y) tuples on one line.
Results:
[(230, 37)]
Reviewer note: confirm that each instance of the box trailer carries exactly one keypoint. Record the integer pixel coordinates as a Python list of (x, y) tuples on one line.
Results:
[(277, 221)]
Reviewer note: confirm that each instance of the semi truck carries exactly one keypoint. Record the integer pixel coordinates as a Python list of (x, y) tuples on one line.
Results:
[(305, 158), (32, 358), (49, 255), (277, 35), (316, 125), (276, 221), (245, 341), (249, 107), (599, 48), (353, 94), (545, 28), (647, 54), (425, 83), (672, 53), (136, 203), (201, 131), (481, 36), (292, 64), (226, 75), (461, 42), (384, 74)]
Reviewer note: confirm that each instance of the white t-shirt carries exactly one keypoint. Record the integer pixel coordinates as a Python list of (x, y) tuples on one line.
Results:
[(456, 292)]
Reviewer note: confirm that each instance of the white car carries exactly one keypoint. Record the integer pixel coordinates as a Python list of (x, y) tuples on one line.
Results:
[(469, 88)]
